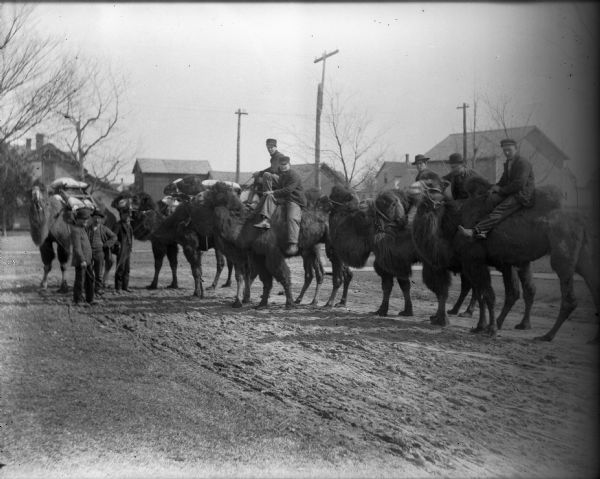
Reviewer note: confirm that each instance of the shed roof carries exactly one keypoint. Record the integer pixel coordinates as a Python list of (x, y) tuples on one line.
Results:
[(169, 166), (395, 168), (245, 176)]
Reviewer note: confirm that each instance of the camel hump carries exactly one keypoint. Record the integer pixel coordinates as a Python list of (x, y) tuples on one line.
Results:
[(547, 198)]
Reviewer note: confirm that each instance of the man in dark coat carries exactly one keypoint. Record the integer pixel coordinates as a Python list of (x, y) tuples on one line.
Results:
[(515, 190), (459, 173), (421, 164), (269, 177), (82, 258), (124, 234), (100, 237), (291, 194)]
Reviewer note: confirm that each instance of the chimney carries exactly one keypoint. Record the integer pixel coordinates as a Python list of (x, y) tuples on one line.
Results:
[(39, 141), (28, 144), (407, 158)]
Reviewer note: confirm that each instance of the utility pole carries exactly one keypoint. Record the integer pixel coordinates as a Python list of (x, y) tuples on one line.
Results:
[(77, 124), (320, 89), (239, 113), (464, 109), (474, 132)]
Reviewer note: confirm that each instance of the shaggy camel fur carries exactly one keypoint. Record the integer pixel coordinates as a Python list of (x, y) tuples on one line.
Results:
[(259, 252), (525, 236), (146, 221)]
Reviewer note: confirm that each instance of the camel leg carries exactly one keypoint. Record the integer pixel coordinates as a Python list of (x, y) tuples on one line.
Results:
[(482, 323), (63, 258), (227, 283), (220, 260), (568, 252), (511, 292), (159, 252), (336, 278), (465, 287), (193, 254), (320, 275), (438, 281), (172, 251), (307, 264), (387, 283), (528, 285), (346, 277), (279, 269), (404, 283), (239, 279), (267, 280), (47, 254)]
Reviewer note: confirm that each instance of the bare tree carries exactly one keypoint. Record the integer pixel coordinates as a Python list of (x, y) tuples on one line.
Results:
[(93, 114), (351, 144), (34, 78)]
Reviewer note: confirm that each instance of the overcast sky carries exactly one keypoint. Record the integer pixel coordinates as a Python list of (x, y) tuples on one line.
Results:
[(409, 65)]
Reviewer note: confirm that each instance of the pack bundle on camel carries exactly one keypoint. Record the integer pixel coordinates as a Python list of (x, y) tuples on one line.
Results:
[(378, 226), (255, 251), (527, 235), (50, 213), (147, 220)]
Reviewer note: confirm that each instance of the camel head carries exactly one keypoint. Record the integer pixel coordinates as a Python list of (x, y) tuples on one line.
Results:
[(389, 206), (431, 189), (343, 196), (37, 197), (222, 194)]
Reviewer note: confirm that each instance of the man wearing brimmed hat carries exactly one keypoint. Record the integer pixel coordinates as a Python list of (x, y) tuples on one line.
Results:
[(82, 257), (100, 237), (291, 194), (124, 233), (421, 164), (515, 190), (459, 173)]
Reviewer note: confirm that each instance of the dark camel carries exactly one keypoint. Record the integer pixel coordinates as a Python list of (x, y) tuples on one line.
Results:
[(254, 251), (527, 235), (146, 221)]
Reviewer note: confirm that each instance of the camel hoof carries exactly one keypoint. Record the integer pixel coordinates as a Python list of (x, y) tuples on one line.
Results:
[(298, 301), (476, 330), (523, 326), (453, 311), (172, 286), (341, 304), (379, 312), (236, 304), (63, 288), (226, 285), (314, 302), (545, 337), (261, 306), (211, 288), (290, 306), (152, 286), (406, 313), (466, 314)]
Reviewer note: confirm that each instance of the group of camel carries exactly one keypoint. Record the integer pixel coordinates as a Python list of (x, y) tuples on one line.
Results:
[(400, 228)]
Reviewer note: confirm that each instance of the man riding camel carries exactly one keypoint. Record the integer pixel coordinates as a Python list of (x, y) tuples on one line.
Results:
[(459, 173), (421, 164), (290, 192), (515, 190)]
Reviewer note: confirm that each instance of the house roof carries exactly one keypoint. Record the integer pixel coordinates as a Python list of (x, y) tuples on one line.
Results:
[(245, 176), (307, 171), (488, 143), (394, 168), (177, 167)]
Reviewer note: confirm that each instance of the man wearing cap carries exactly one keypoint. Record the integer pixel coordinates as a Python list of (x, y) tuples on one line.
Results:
[(515, 190), (421, 164), (459, 173), (269, 177), (291, 193), (100, 237), (82, 258)]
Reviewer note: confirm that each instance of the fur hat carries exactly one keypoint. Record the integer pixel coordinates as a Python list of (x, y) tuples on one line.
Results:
[(508, 142), (284, 160), (271, 142), (420, 159), (83, 213), (455, 159)]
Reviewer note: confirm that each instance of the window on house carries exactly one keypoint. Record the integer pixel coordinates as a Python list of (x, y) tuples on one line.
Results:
[(385, 179)]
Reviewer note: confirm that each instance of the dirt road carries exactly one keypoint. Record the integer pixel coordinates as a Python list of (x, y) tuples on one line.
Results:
[(160, 384)]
